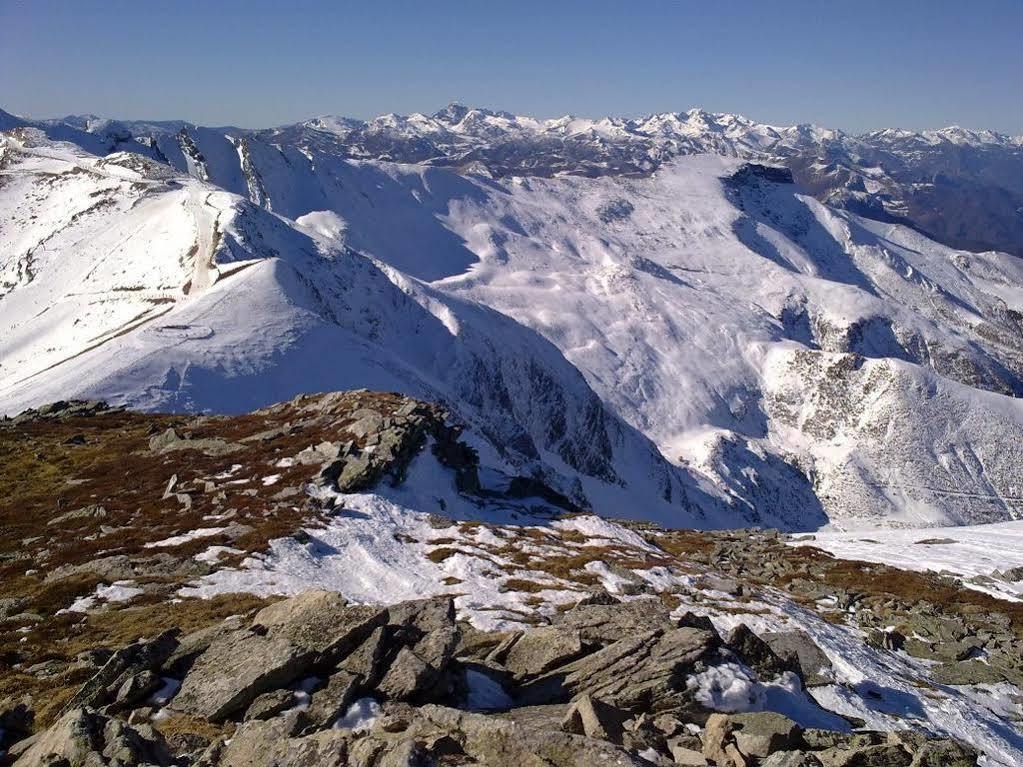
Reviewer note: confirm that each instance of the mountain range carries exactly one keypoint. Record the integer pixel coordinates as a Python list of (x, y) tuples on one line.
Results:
[(961, 187), (691, 318)]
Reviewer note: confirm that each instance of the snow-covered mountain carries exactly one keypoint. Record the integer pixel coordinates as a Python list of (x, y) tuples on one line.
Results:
[(960, 187), (656, 331)]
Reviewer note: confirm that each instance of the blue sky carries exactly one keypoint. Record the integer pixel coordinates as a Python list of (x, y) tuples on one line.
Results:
[(853, 64)]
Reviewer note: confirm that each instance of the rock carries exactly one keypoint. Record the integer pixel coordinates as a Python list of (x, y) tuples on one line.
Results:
[(269, 742), (87, 512), (500, 742), (756, 653), (599, 597), (755, 734), (197, 642), (798, 649), (687, 756), (541, 649), (668, 724), (438, 646), (763, 732), (712, 582), (365, 660), (819, 740), (65, 409), (286, 641), (169, 441), (692, 620), (124, 664), (1012, 574), (136, 689), (236, 669), (330, 702), (966, 672), (647, 668), (408, 676), (886, 640), (883, 755), (16, 717), (424, 614), (791, 759), (603, 624), (11, 606), (944, 753), (944, 651), (730, 738), (594, 719), (270, 704), (84, 738)]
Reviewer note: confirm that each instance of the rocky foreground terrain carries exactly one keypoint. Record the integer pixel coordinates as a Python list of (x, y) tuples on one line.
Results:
[(224, 590)]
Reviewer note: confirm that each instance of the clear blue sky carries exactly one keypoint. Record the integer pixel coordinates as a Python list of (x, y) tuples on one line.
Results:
[(852, 64)]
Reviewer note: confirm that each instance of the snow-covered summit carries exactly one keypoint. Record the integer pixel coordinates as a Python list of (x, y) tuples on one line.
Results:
[(961, 187)]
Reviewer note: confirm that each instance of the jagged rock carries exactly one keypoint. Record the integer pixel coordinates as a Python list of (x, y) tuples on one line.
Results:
[(331, 701), (84, 738), (16, 717), (645, 668), (169, 441), (424, 614), (756, 653), (124, 664), (136, 689), (944, 753), (943, 651), (86, 512), (365, 660), (192, 645), (966, 672), (882, 755), (756, 734), (819, 740), (886, 640), (270, 742), (724, 584), (603, 624), (406, 677), (1012, 574), (594, 719), (500, 742), (686, 756), (797, 648), (270, 704), (236, 669), (539, 650), (791, 759), (286, 640)]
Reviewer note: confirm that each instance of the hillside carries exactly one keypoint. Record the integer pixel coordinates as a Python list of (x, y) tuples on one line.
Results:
[(145, 556), (704, 346)]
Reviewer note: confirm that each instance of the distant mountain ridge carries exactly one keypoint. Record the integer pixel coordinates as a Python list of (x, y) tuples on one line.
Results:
[(961, 187)]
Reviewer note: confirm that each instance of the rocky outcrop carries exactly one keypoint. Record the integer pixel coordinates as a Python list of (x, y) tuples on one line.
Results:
[(313, 680), (84, 738), (285, 642)]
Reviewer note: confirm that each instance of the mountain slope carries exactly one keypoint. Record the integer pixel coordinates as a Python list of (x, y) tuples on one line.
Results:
[(706, 345), (239, 308)]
